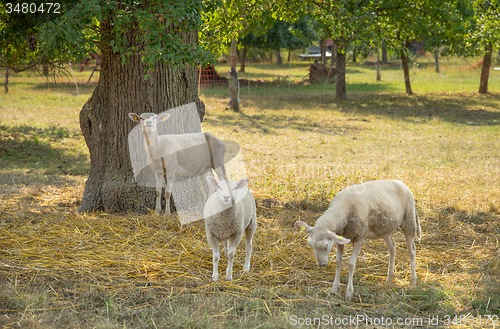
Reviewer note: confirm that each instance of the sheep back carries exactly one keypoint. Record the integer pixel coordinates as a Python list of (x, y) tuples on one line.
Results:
[(373, 210)]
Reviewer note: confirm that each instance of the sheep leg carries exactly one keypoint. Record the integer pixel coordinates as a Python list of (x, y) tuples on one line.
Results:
[(168, 193), (214, 245), (338, 269), (159, 185), (352, 267), (249, 232), (410, 244), (233, 244), (391, 244)]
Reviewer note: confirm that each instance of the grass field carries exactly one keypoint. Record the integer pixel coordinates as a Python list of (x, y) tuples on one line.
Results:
[(62, 269)]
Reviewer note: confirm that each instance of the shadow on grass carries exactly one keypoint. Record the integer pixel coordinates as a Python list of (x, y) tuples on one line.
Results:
[(68, 87), (461, 109), (37, 152)]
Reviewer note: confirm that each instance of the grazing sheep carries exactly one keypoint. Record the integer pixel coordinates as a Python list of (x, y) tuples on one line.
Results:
[(178, 155), (229, 212), (372, 210)]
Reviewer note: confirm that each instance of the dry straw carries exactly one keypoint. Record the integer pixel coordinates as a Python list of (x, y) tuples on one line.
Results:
[(44, 241)]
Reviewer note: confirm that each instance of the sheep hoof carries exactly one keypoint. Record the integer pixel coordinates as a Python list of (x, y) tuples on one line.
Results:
[(229, 278), (390, 278), (215, 277)]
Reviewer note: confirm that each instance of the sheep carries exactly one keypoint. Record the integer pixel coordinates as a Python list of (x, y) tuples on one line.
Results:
[(228, 212), (181, 154), (372, 210)]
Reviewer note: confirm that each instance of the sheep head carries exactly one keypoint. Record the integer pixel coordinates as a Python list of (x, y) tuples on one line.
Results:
[(228, 192), (149, 121), (321, 240)]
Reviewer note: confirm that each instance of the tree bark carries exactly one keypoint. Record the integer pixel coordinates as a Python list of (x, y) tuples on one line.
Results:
[(406, 70), (105, 124), (485, 69), (340, 86)]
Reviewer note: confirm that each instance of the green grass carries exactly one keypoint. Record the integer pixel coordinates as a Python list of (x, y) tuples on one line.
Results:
[(61, 269)]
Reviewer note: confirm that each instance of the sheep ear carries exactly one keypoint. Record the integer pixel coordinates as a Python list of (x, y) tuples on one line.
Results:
[(242, 183), (212, 181), (134, 117), (301, 225), (338, 239), (163, 116)]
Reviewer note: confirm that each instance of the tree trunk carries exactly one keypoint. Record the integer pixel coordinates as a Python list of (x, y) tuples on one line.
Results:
[(385, 58), (243, 59), (485, 69), (378, 65), (322, 49), (105, 124), (436, 59), (279, 60), (6, 84), (234, 87), (406, 70), (340, 86)]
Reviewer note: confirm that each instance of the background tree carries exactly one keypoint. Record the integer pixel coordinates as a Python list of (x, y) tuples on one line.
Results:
[(351, 24), (149, 54), (21, 47)]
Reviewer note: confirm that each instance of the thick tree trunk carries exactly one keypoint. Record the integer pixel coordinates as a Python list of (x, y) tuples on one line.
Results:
[(485, 69), (340, 87), (406, 71), (105, 124)]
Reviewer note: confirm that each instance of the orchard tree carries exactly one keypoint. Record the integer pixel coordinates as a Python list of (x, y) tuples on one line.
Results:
[(20, 45), (486, 34), (350, 24), (149, 53), (224, 22)]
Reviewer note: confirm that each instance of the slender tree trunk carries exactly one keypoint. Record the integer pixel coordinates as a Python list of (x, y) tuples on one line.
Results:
[(105, 124), (406, 70), (436, 60), (485, 69), (243, 59), (334, 53), (378, 65), (6, 83), (322, 49), (234, 87), (340, 86), (279, 60), (385, 58)]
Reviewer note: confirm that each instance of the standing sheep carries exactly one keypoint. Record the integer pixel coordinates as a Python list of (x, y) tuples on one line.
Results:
[(372, 210), (182, 155), (229, 212)]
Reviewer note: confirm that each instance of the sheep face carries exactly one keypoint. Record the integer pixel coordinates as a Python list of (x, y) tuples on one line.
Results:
[(149, 120), (321, 240), (228, 192)]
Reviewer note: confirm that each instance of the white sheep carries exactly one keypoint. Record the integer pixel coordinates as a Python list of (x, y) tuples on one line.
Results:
[(229, 212), (181, 155), (372, 210)]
